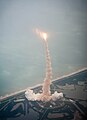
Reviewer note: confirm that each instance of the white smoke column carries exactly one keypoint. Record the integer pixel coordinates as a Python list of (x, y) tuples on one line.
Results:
[(47, 81), (46, 94)]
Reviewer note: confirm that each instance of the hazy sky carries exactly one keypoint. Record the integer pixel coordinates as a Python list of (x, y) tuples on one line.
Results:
[(22, 60)]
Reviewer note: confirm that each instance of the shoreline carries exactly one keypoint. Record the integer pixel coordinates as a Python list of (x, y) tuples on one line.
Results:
[(33, 87)]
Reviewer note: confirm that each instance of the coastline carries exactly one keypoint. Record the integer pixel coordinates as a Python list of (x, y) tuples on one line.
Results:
[(38, 85)]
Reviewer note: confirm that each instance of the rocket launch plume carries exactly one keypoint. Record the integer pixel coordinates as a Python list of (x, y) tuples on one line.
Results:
[(47, 81), (46, 94)]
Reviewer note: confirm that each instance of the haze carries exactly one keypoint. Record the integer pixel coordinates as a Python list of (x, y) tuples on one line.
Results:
[(22, 55)]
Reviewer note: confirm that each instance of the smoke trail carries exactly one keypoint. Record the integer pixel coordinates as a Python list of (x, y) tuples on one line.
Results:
[(46, 94), (47, 81)]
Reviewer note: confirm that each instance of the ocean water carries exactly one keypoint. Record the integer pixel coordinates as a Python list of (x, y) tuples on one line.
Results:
[(22, 54), (21, 68)]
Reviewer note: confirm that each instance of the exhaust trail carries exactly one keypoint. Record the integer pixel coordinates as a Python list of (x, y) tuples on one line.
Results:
[(46, 92), (47, 80)]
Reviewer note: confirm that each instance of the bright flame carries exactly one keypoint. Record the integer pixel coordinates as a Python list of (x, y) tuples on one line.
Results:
[(43, 35)]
